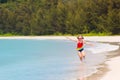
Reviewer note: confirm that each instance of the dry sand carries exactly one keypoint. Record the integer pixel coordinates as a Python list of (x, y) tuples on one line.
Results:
[(114, 67), (107, 68), (93, 38)]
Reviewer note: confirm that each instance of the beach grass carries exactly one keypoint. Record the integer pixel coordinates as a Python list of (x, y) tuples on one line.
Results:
[(60, 34)]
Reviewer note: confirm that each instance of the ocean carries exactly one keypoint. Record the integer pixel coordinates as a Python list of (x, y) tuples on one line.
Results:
[(35, 59)]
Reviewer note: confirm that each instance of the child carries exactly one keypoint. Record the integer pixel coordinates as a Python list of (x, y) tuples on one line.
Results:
[(80, 46)]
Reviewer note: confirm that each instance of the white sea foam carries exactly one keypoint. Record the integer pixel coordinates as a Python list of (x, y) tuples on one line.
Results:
[(102, 47)]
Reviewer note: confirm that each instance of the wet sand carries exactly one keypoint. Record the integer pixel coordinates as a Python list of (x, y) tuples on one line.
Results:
[(105, 69)]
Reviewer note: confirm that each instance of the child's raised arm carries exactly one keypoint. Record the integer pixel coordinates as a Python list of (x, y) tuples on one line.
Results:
[(88, 43), (71, 39)]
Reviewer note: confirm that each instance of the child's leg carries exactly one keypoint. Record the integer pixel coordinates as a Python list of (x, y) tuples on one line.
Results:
[(83, 53), (80, 55)]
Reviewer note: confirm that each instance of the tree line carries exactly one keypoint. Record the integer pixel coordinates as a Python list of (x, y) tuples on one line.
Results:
[(47, 17)]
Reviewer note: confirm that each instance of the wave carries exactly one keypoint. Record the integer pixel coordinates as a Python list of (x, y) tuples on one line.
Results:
[(101, 48)]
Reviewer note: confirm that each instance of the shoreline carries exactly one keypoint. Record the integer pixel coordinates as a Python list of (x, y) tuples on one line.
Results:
[(105, 67), (113, 65)]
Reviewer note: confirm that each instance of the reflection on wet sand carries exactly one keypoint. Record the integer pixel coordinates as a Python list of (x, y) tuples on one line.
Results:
[(83, 70)]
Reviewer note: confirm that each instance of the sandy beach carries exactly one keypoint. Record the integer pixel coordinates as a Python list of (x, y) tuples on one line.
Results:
[(114, 68), (89, 38), (111, 69)]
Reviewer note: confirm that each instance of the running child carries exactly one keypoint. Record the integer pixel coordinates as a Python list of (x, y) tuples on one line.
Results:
[(80, 46)]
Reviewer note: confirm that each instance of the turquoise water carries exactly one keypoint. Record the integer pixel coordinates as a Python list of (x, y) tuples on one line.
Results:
[(44, 60)]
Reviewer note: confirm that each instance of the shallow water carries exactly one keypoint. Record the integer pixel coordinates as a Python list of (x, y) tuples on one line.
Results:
[(46, 60)]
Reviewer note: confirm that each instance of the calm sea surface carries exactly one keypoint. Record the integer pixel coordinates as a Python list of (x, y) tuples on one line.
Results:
[(47, 60)]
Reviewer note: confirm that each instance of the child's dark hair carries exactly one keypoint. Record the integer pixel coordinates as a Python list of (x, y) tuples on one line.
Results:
[(81, 37)]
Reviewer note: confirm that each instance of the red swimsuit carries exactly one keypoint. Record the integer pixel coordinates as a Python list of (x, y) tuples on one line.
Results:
[(80, 45)]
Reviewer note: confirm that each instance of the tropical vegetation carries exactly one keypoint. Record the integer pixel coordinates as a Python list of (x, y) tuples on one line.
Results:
[(49, 17)]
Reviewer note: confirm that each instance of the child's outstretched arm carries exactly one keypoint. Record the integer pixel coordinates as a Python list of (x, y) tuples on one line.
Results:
[(88, 43), (71, 39)]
